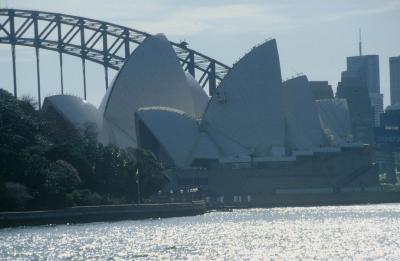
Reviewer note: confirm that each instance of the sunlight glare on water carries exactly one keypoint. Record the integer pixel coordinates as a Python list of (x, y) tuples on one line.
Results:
[(334, 233)]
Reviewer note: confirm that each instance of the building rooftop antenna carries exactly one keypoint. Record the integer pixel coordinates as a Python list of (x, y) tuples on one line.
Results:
[(359, 42)]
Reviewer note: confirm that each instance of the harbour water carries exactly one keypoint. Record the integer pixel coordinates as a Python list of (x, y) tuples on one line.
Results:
[(334, 233)]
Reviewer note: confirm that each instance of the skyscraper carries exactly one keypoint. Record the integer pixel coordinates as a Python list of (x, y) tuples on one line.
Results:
[(358, 99), (366, 69), (394, 63)]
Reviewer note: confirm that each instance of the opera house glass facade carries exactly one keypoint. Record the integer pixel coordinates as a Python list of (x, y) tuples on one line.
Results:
[(252, 121)]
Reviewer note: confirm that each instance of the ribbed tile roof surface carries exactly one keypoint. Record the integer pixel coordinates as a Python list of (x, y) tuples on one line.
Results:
[(247, 109), (301, 115), (152, 76)]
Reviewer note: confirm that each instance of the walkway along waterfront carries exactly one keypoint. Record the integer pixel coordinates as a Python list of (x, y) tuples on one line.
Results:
[(144, 211)]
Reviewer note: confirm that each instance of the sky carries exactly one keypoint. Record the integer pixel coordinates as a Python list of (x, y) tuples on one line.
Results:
[(314, 36)]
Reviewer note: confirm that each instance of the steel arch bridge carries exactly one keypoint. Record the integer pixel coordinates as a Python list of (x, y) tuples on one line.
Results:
[(92, 40)]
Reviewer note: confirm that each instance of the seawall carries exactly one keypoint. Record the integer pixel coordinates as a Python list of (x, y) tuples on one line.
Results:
[(315, 199), (101, 213)]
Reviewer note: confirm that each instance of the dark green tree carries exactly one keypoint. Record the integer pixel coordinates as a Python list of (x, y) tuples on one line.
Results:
[(46, 163)]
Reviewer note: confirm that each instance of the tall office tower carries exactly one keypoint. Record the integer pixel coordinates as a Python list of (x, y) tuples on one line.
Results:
[(366, 69), (361, 111), (394, 63), (321, 90)]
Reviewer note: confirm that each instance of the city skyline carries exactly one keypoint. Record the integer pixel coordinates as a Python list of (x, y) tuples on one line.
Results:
[(325, 33)]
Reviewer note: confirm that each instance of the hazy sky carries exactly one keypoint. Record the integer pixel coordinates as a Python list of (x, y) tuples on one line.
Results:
[(314, 36)]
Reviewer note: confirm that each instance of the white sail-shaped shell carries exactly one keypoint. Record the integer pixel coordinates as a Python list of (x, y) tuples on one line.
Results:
[(152, 76), (301, 115), (199, 96), (73, 109), (175, 131), (205, 148), (247, 109)]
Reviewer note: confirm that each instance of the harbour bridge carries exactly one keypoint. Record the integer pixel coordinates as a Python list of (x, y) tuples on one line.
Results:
[(104, 43)]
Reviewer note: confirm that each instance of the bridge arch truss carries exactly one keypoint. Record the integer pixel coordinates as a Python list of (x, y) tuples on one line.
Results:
[(92, 40)]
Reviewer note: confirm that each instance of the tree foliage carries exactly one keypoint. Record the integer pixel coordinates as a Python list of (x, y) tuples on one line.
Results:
[(46, 163)]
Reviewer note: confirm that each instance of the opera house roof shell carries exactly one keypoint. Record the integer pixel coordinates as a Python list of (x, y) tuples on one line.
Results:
[(74, 110), (175, 132), (153, 104), (247, 108), (303, 125), (152, 76)]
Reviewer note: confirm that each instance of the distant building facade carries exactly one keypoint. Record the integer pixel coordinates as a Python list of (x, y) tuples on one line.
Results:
[(321, 173), (394, 63), (388, 133), (321, 90), (388, 142), (361, 112), (366, 69)]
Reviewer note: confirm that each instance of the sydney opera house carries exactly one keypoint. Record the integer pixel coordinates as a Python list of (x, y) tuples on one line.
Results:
[(257, 136)]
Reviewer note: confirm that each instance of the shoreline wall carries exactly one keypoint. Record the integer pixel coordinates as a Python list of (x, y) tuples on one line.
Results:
[(101, 214), (314, 199)]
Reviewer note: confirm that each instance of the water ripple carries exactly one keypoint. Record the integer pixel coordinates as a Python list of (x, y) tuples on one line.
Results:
[(327, 233)]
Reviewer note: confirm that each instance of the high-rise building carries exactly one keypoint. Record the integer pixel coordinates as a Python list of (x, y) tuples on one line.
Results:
[(394, 80), (361, 111), (388, 134), (366, 69), (377, 104), (388, 142), (321, 90)]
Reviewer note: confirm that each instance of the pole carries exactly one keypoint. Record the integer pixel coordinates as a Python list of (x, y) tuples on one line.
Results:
[(83, 47), (191, 66), (84, 78), (14, 69), (61, 73), (105, 51), (38, 77), (192, 189), (13, 42), (212, 86), (37, 45), (138, 184), (60, 47), (106, 75)]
